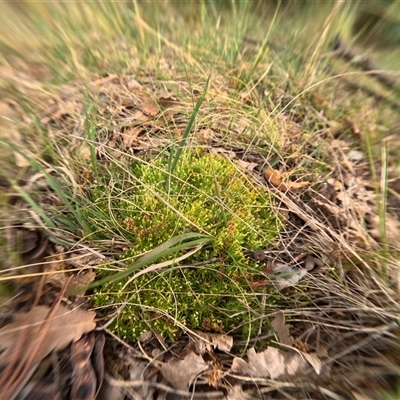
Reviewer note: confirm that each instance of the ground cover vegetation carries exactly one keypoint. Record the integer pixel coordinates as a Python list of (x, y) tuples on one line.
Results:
[(217, 183)]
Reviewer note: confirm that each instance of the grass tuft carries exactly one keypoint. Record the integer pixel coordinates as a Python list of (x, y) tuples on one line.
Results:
[(207, 193)]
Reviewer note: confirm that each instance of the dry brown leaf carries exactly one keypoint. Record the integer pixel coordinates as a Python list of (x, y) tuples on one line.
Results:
[(282, 330), (220, 150), (138, 115), (205, 135), (275, 364), (181, 372), (149, 106), (314, 360), (83, 152), (169, 101), (130, 135), (133, 84), (273, 176), (205, 341), (277, 179), (235, 392), (65, 327), (9, 120), (248, 166)]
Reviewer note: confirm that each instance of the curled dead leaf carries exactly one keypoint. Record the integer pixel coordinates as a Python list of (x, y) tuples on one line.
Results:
[(206, 342), (276, 179)]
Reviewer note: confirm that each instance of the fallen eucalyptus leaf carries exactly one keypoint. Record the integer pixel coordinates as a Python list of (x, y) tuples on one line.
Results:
[(66, 326)]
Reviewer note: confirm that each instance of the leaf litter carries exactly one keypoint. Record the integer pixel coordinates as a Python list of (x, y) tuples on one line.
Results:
[(273, 363), (65, 327), (77, 267), (349, 204), (11, 139), (280, 364), (181, 372)]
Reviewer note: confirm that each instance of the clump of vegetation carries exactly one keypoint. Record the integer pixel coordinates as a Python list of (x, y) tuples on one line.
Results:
[(206, 193), (315, 102)]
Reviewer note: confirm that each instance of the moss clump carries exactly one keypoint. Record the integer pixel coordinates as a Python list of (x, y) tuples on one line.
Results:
[(207, 193)]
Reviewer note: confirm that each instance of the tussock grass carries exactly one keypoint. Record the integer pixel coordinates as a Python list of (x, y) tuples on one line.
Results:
[(102, 92), (206, 194)]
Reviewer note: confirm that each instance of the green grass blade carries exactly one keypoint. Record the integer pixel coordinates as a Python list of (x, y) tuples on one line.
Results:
[(188, 128), (36, 208), (164, 250), (90, 126)]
